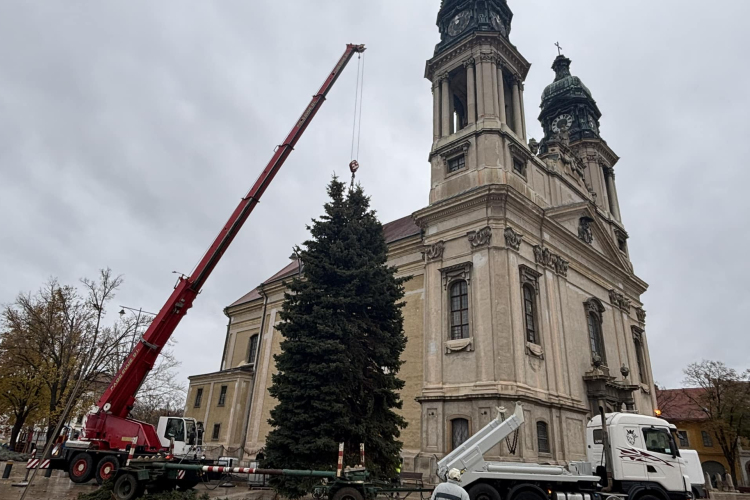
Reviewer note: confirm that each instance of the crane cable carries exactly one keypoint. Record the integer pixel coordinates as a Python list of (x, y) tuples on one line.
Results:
[(357, 123)]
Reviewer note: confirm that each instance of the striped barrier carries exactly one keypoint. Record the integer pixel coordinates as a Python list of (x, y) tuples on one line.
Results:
[(362, 454), (32, 463), (340, 465), (132, 450)]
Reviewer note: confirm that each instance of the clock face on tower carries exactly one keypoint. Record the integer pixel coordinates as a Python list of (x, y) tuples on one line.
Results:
[(459, 23), (592, 123), (497, 23), (562, 122)]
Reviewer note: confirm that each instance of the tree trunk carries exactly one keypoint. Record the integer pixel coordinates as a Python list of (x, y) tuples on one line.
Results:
[(16, 430)]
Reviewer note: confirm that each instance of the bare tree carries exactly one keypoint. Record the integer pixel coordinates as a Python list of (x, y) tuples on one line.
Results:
[(725, 401), (57, 334)]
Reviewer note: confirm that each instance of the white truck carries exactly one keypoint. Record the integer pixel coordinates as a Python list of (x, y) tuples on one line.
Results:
[(631, 457)]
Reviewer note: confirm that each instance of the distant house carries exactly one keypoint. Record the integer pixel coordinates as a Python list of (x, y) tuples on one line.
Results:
[(680, 407)]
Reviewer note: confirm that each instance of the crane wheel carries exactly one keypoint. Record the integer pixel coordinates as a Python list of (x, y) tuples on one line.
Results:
[(127, 487), (348, 493), (107, 468), (483, 492), (81, 468)]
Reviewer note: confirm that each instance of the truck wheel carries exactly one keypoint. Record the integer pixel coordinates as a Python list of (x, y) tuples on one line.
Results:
[(347, 494), (530, 495), (81, 468), (483, 492), (107, 468), (127, 487)]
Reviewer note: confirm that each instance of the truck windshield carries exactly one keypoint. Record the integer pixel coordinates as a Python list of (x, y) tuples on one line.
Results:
[(659, 440), (176, 429)]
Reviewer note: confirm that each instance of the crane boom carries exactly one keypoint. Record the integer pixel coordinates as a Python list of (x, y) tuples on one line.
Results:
[(119, 397)]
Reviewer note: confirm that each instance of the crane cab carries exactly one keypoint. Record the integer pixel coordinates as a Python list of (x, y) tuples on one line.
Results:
[(184, 431)]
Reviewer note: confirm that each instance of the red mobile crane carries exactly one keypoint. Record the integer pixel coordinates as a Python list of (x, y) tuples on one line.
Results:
[(107, 430)]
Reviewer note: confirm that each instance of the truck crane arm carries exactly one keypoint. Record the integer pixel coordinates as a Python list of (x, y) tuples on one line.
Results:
[(119, 397), (473, 449)]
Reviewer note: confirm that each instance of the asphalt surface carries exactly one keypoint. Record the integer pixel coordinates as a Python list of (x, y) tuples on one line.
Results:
[(59, 487)]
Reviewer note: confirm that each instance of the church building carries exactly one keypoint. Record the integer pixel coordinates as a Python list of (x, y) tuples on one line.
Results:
[(521, 284)]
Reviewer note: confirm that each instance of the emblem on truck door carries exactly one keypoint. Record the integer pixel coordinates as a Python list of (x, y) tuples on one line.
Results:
[(631, 436)]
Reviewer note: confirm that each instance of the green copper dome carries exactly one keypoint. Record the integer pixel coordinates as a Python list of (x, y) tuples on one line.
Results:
[(567, 106), (565, 86)]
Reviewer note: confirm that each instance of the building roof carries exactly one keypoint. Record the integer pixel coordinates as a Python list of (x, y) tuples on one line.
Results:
[(393, 231), (681, 404)]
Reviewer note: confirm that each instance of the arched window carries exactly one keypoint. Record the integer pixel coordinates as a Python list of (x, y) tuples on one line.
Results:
[(252, 348), (459, 310), (542, 437), (529, 310), (595, 335), (459, 432), (594, 309)]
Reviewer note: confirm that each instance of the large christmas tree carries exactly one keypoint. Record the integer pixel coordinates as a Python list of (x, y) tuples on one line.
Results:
[(343, 338)]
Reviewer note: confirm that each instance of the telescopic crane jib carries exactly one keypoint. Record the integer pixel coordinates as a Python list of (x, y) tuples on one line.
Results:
[(108, 426)]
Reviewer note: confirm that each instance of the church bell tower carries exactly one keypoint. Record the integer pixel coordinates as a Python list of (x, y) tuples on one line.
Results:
[(477, 75), (570, 119)]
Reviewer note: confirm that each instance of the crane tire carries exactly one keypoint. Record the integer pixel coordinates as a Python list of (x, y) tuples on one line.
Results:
[(483, 492), (81, 468), (107, 468), (348, 493), (127, 487)]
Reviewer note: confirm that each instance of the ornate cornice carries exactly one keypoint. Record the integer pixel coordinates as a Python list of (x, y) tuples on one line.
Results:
[(553, 261), (641, 315), (509, 55), (488, 57), (530, 276), (459, 271), (469, 62), (435, 251), (513, 239), (619, 300), (480, 238)]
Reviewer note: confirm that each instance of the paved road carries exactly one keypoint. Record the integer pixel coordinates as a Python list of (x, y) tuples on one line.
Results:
[(59, 487)]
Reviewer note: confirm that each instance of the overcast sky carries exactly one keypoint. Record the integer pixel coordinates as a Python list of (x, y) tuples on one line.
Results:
[(129, 131)]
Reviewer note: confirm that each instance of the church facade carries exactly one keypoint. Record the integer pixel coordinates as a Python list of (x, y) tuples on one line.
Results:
[(521, 285)]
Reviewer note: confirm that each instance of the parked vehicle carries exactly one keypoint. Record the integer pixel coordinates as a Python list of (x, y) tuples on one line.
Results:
[(630, 456)]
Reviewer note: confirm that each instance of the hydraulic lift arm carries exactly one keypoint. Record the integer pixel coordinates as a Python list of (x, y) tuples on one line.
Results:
[(473, 449), (119, 397)]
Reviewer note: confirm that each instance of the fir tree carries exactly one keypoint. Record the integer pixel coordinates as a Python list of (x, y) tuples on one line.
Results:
[(343, 338)]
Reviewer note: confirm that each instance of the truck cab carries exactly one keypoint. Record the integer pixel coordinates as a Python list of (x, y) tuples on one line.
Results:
[(644, 453), (183, 431)]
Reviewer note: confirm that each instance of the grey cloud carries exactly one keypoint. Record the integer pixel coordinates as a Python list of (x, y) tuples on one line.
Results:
[(129, 131)]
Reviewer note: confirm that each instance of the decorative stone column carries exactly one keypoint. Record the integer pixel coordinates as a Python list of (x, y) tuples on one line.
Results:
[(480, 90), (501, 94), (471, 101), (488, 67), (495, 85), (445, 95), (436, 111), (523, 111), (614, 205), (517, 119)]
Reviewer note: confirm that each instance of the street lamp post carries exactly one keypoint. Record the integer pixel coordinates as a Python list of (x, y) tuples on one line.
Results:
[(139, 312)]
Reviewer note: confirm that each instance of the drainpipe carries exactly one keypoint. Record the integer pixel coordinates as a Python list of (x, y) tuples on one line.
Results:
[(226, 340), (249, 402)]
